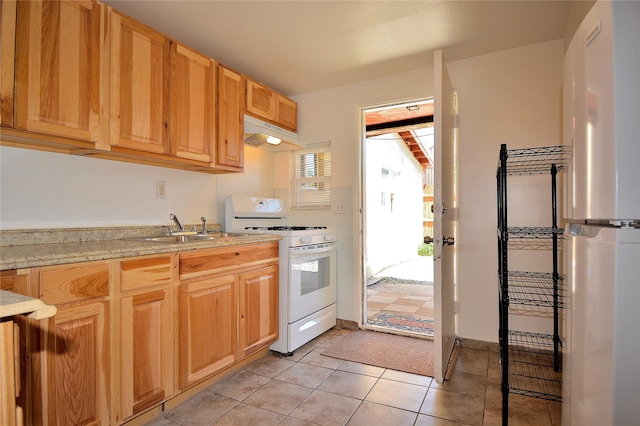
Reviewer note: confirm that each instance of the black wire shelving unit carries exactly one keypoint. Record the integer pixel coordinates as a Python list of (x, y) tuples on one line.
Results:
[(530, 363)]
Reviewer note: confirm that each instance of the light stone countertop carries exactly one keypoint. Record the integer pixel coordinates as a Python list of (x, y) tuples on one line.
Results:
[(18, 249), (16, 304)]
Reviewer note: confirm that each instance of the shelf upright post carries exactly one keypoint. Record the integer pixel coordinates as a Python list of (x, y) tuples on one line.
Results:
[(556, 275), (504, 283)]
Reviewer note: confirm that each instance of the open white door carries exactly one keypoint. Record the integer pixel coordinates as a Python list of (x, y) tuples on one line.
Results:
[(444, 206)]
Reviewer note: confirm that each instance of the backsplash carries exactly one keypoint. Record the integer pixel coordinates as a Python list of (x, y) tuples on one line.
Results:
[(19, 237)]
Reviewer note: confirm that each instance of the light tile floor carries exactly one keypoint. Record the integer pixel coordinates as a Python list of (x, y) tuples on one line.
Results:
[(309, 388)]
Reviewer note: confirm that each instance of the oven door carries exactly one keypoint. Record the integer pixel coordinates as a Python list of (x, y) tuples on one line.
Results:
[(312, 279)]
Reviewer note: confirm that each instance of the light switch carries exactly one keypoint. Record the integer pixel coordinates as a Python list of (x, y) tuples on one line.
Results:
[(161, 189), (339, 207)]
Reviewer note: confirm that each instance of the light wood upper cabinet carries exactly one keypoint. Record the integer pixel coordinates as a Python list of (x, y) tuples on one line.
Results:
[(61, 69), (7, 60), (258, 309), (72, 366), (267, 104), (193, 104), (145, 334), (230, 109), (261, 100), (287, 113), (139, 86)]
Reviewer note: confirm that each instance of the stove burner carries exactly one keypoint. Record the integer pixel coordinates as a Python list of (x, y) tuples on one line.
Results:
[(283, 228)]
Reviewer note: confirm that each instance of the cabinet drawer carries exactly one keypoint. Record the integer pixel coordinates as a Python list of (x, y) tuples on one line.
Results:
[(145, 272), (202, 262), (71, 283), (12, 281)]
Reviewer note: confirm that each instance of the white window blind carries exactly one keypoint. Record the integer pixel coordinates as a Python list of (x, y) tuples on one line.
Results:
[(311, 178)]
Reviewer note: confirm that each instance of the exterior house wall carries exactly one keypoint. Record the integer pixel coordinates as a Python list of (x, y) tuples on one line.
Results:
[(393, 200)]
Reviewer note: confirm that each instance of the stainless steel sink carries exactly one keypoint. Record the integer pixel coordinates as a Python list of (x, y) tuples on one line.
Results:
[(190, 238)]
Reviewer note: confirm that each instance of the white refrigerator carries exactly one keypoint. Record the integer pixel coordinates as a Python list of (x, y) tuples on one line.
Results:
[(601, 360)]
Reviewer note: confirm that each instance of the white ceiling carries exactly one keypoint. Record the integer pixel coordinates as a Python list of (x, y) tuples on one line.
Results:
[(298, 47)]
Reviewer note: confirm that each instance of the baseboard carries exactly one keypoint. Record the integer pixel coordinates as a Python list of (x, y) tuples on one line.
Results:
[(479, 344), (346, 324)]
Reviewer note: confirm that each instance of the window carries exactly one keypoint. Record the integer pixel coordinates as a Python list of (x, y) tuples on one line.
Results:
[(311, 178)]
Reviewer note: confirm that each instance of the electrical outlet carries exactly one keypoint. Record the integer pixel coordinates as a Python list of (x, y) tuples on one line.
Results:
[(161, 189), (339, 207)]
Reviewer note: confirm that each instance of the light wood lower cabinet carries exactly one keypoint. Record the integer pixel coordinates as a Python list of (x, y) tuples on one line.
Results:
[(145, 335), (258, 309), (109, 354), (228, 307), (14, 396), (77, 365), (71, 359), (207, 327), (9, 381)]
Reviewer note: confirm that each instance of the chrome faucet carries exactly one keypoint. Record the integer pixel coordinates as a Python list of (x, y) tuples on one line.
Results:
[(204, 225), (174, 218)]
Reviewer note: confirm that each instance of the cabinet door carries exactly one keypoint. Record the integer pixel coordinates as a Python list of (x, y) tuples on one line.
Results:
[(139, 86), (17, 283), (192, 93), (261, 101), (75, 366), (287, 113), (146, 350), (230, 142), (61, 69), (8, 386), (7, 60), (146, 335), (207, 328), (258, 309)]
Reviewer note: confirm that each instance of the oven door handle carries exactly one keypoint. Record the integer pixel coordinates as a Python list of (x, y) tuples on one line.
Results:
[(324, 248)]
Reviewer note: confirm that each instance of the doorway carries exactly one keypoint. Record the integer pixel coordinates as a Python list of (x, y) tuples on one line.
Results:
[(397, 198)]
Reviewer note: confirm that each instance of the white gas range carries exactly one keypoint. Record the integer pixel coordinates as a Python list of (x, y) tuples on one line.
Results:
[(307, 267)]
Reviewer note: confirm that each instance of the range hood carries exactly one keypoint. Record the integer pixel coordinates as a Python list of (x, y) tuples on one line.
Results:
[(257, 131)]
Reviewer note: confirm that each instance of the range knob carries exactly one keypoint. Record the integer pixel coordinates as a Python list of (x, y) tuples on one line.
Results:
[(330, 237), (305, 240)]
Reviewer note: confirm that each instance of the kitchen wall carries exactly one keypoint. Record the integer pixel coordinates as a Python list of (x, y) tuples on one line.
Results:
[(46, 190), (511, 96)]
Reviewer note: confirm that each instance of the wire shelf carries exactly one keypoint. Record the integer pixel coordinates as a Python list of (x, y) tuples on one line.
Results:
[(531, 366), (534, 288), (534, 161), (534, 232)]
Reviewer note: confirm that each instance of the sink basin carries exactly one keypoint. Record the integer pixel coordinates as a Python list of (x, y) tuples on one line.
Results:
[(189, 238)]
